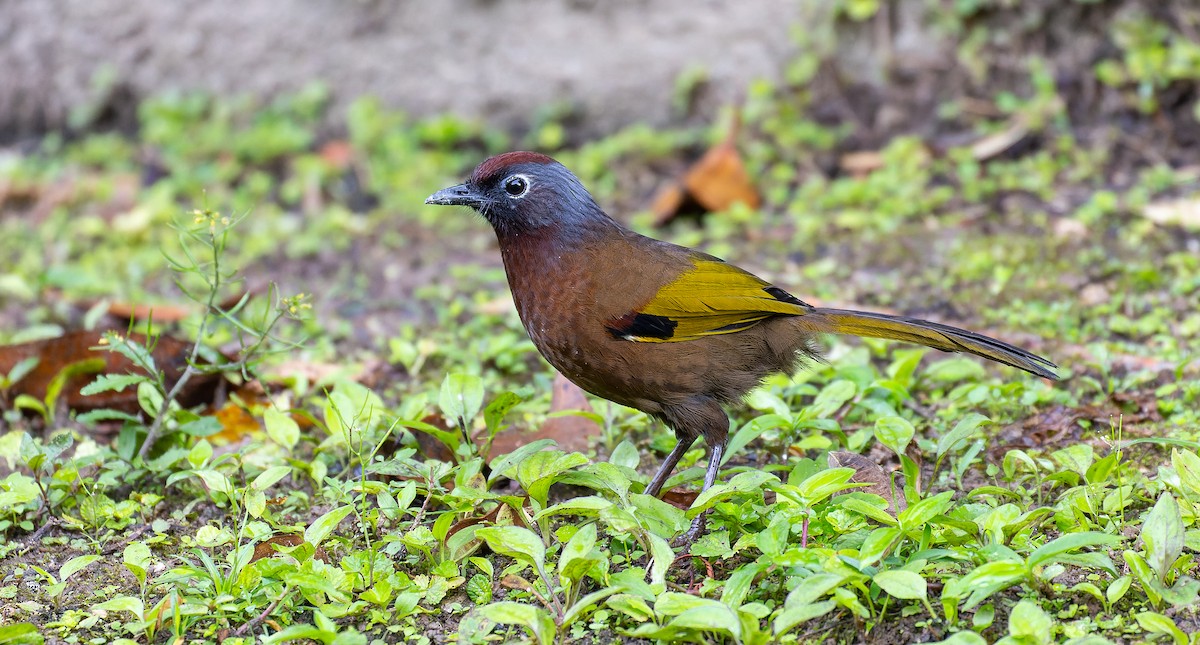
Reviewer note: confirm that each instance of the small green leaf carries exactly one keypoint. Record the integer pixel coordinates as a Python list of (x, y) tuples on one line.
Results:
[(902, 584), (270, 477), (461, 397), (812, 588), (494, 413), (915, 517), (256, 502), (576, 557), (738, 584), (20, 370), (1029, 623), (74, 565), (661, 518), (662, 557), (864, 506), (1156, 623), (85, 366), (983, 581), (1116, 590), (20, 634), (752, 430), (1187, 465), (831, 398), (200, 453), (137, 559), (794, 615), (1162, 535), (587, 603), (820, 485), (515, 542), (479, 589), (324, 525), (711, 617), (536, 620), (149, 398), (961, 432), (1047, 553), (625, 454), (111, 383), (751, 480), (877, 545), (502, 465), (124, 603), (895, 433), (215, 481), (952, 370), (964, 637), (588, 506), (281, 427), (537, 472)]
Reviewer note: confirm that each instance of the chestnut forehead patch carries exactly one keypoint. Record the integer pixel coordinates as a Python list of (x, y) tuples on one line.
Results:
[(497, 165)]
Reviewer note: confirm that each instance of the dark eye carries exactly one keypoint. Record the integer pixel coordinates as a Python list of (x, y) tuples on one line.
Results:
[(516, 186)]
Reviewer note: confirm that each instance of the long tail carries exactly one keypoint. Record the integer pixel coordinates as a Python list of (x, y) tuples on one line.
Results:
[(930, 334)]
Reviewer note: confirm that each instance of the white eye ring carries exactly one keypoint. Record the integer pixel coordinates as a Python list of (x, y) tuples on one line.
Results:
[(516, 186)]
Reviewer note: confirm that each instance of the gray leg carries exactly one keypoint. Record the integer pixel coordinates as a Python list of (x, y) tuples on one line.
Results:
[(710, 478), (668, 465)]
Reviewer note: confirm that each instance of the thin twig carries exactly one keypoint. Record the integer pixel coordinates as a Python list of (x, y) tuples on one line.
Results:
[(37, 535), (253, 622)]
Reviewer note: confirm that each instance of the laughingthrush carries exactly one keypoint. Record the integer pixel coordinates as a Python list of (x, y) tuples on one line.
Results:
[(661, 328)]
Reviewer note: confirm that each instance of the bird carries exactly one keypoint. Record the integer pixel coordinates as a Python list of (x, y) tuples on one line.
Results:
[(661, 328)]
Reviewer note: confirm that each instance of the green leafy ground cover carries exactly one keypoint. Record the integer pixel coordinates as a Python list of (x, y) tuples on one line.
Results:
[(1032, 512)]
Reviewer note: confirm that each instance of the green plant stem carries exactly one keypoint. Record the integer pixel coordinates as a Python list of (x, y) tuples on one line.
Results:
[(190, 370)]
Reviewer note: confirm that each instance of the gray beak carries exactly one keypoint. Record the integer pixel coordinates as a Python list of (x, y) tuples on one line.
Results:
[(460, 195)]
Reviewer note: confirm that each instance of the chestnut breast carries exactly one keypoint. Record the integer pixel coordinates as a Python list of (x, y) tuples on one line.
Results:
[(567, 292)]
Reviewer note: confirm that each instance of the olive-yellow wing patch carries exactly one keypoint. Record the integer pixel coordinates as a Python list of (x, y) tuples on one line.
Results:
[(711, 298)]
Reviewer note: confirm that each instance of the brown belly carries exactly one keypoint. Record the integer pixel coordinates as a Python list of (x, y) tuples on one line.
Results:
[(651, 376)]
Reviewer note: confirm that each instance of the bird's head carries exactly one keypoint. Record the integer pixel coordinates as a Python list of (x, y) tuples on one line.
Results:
[(520, 192)]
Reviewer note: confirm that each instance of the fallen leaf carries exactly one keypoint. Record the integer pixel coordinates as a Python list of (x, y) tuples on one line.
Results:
[(56, 354), (715, 182), (266, 548), (573, 432), (1183, 212), (500, 515), (236, 423), (680, 497), (861, 163), (870, 473), (997, 143), (159, 312), (337, 153)]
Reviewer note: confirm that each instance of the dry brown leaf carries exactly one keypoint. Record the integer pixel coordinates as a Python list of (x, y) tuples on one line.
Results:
[(997, 143), (55, 354), (681, 498), (236, 424), (861, 163), (158, 312), (337, 153), (668, 202), (501, 515), (266, 548), (572, 432), (715, 182), (870, 473), (1183, 212)]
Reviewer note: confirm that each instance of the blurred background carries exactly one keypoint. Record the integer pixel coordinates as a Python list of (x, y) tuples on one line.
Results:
[(1025, 166), (241, 182)]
